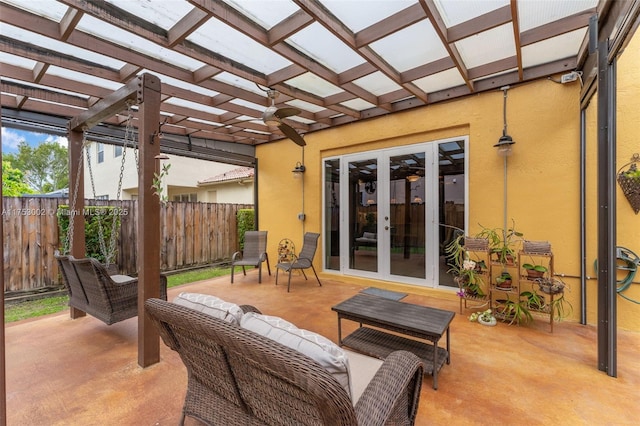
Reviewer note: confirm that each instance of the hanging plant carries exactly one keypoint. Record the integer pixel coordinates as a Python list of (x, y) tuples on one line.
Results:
[(157, 183), (629, 181)]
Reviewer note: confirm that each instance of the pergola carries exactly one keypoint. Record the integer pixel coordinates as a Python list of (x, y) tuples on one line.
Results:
[(71, 64)]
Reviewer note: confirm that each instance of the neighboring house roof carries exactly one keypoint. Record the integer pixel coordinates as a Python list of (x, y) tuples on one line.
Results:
[(60, 193), (239, 174)]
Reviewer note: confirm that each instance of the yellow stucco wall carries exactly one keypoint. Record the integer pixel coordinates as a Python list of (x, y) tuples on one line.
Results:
[(543, 172)]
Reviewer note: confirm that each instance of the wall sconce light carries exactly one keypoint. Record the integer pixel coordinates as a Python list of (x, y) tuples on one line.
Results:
[(299, 170), (413, 178), (505, 143), (505, 146)]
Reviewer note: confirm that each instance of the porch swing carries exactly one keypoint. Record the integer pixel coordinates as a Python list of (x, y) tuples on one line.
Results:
[(94, 287)]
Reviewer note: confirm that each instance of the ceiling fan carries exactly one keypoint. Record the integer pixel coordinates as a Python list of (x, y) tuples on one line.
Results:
[(273, 116)]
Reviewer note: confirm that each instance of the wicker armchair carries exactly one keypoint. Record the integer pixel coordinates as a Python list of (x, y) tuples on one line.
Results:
[(237, 377), (109, 298)]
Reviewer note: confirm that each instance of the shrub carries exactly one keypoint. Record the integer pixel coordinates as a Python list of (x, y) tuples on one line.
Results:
[(246, 222), (97, 219)]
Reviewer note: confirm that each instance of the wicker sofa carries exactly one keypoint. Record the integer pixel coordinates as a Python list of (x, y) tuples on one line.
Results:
[(239, 377)]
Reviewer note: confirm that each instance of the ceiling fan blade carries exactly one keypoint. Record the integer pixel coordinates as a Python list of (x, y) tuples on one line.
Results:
[(291, 133), (286, 112)]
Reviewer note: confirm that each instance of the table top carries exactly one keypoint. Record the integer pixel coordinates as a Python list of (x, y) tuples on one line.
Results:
[(386, 312)]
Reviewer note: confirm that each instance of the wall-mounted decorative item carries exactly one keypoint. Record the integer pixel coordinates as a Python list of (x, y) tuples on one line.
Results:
[(629, 181)]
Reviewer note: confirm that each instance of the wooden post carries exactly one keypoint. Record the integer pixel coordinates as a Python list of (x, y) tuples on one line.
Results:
[(148, 218), (3, 384), (76, 216), (145, 91)]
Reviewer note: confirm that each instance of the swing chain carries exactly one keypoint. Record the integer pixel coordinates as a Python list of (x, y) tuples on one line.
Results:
[(103, 246), (128, 135)]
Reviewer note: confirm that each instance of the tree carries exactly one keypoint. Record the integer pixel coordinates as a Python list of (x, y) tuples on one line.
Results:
[(13, 184), (45, 167)]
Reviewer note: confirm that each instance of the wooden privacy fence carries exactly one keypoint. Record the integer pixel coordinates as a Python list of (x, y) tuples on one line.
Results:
[(191, 234)]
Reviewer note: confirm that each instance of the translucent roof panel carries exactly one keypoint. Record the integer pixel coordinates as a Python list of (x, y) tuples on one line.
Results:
[(377, 83), (474, 50), (19, 61), (411, 47), (440, 81), (552, 49), (60, 47), (534, 13), (266, 13), (39, 86), (357, 104), (214, 35), (306, 106), (313, 84), (360, 14), (181, 84), (252, 105), (459, 11), (194, 105), (163, 13), (240, 82), (86, 79), (136, 43), (319, 44), (48, 9), (220, 60)]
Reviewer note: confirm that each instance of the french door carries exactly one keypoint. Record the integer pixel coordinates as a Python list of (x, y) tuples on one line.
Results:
[(383, 213)]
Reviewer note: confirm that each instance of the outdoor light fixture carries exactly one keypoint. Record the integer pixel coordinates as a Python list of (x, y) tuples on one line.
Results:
[(505, 143), (413, 178), (298, 170)]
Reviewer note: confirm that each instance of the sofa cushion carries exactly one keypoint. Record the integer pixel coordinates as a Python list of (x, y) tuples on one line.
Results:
[(319, 348), (211, 305)]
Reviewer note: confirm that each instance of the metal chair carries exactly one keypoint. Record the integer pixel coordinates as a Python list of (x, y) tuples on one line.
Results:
[(254, 253), (302, 261)]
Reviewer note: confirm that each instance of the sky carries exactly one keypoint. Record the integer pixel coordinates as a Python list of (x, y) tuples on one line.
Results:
[(11, 138)]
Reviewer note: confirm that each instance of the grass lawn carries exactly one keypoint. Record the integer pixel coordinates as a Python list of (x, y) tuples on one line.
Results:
[(50, 305)]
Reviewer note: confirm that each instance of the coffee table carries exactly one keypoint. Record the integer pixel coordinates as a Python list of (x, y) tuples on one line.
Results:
[(403, 318)]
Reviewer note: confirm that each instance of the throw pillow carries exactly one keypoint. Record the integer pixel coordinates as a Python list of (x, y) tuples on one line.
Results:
[(319, 348), (211, 305)]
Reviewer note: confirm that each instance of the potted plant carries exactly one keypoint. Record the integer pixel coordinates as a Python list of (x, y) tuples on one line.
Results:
[(504, 281), (514, 311), (555, 287), (484, 318), (503, 242), (534, 271), (533, 300), (467, 272)]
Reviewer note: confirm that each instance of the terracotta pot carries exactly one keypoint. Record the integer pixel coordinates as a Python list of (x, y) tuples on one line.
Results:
[(532, 274)]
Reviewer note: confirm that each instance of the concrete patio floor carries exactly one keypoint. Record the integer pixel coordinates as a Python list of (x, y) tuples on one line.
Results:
[(82, 372)]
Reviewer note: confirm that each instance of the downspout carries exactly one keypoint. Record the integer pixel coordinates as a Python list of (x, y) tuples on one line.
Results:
[(256, 216), (583, 221)]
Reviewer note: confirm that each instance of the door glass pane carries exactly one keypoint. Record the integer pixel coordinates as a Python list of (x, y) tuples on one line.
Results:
[(332, 214), (407, 215), (363, 215), (452, 201)]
